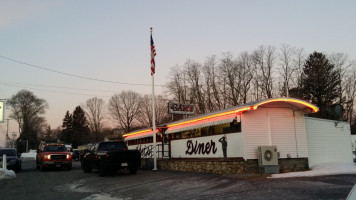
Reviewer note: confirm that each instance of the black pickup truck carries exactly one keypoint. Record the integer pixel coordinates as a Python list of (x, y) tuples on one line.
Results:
[(110, 156)]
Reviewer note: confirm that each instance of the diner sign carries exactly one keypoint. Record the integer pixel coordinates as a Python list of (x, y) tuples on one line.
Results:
[(178, 108)]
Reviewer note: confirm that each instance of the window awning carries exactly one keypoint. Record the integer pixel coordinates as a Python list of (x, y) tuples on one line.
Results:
[(203, 123), (139, 134)]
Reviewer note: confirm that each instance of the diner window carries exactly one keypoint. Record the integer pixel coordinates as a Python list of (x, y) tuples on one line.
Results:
[(219, 129), (232, 127)]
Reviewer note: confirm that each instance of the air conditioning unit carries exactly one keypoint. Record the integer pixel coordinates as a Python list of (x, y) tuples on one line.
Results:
[(267, 156)]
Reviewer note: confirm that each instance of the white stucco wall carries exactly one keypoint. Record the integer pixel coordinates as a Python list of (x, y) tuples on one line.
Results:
[(328, 143)]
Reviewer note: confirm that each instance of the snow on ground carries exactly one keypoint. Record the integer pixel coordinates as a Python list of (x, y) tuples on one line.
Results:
[(321, 170), (101, 196), (6, 174), (29, 156)]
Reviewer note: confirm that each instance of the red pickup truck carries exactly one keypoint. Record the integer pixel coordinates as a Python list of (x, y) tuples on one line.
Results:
[(53, 155)]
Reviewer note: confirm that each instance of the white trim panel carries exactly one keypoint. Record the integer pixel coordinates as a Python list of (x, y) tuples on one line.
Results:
[(207, 147)]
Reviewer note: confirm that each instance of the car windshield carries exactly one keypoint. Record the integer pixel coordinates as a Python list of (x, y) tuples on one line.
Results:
[(8, 152), (54, 148), (112, 146)]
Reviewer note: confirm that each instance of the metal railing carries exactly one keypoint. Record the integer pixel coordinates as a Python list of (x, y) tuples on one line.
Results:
[(161, 153)]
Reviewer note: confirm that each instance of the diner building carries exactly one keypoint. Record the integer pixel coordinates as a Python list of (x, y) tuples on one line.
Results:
[(264, 136)]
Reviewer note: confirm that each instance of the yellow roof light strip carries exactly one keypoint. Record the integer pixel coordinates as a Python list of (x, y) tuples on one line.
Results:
[(314, 108), (210, 116), (134, 133)]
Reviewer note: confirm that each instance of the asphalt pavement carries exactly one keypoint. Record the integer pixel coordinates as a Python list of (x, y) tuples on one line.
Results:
[(32, 184)]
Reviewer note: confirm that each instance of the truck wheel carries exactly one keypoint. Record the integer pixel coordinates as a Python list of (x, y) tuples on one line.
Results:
[(43, 168), (37, 166), (69, 167), (133, 169), (18, 169), (102, 170), (86, 169)]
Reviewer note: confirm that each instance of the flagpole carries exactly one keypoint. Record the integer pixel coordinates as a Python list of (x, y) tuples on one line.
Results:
[(154, 121)]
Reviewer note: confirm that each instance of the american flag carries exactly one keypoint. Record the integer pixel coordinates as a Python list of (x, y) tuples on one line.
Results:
[(153, 54)]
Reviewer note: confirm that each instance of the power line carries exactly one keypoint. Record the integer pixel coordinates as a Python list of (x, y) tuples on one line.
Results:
[(69, 93), (76, 76), (53, 91), (52, 86)]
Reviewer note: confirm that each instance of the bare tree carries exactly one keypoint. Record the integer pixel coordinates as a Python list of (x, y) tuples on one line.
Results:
[(213, 95), (95, 112), (26, 109), (145, 117), (246, 72), (124, 108), (177, 86), (286, 57), (194, 80), (267, 72), (340, 61), (229, 80), (349, 95), (298, 64)]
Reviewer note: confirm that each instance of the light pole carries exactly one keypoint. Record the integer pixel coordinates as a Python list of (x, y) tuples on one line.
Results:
[(7, 140), (7, 133)]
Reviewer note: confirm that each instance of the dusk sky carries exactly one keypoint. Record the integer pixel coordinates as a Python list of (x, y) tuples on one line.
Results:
[(109, 40)]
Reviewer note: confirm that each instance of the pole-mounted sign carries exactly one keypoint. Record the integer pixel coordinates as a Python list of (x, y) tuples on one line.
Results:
[(178, 108), (2, 112)]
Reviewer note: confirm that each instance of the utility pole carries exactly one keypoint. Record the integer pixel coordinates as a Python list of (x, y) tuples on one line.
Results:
[(7, 134), (13, 139)]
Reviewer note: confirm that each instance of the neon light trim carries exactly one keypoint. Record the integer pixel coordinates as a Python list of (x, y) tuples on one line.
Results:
[(148, 134), (211, 116), (314, 108), (134, 133), (205, 121), (140, 133)]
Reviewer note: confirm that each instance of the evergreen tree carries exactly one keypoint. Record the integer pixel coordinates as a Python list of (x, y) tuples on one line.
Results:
[(67, 128), (320, 84), (80, 128)]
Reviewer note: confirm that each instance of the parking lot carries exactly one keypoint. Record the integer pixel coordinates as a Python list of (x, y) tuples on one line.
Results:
[(147, 184)]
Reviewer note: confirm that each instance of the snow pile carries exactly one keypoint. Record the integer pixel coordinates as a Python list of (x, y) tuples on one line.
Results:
[(29, 156), (101, 196), (321, 170), (6, 174)]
